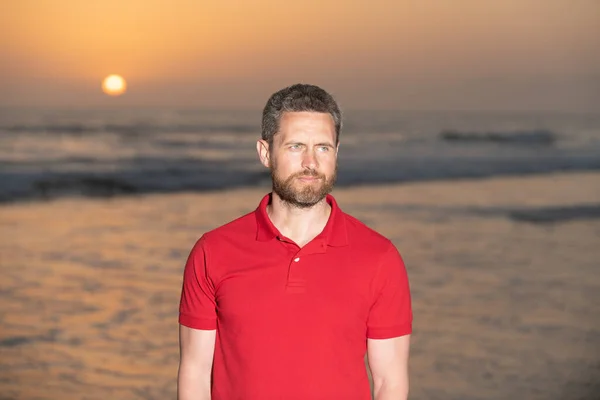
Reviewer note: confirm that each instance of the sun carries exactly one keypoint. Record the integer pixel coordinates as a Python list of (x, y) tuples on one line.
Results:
[(114, 85)]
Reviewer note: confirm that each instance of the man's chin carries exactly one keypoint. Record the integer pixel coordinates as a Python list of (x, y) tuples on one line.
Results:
[(305, 200), (309, 192)]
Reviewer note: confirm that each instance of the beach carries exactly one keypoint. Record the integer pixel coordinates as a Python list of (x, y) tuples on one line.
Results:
[(503, 273)]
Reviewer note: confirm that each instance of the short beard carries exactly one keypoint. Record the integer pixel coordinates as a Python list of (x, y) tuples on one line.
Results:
[(309, 195)]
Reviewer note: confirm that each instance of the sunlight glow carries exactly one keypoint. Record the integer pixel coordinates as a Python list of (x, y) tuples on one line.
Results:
[(114, 85)]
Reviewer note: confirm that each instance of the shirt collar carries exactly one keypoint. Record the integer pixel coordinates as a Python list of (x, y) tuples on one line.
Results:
[(334, 233)]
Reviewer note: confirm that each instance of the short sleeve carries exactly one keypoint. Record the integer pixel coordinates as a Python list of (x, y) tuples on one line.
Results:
[(391, 311), (197, 307)]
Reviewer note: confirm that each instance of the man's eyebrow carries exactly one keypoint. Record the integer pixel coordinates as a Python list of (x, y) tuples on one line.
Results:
[(289, 142)]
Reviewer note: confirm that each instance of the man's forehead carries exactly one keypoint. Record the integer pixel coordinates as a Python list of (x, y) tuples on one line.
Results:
[(303, 122)]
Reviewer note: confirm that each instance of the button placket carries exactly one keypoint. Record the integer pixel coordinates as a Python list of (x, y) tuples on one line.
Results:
[(296, 281)]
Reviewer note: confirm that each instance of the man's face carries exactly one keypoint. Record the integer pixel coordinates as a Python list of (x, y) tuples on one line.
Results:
[(303, 158)]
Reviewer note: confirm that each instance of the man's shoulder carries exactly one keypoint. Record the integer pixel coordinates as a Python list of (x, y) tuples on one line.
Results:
[(360, 234), (239, 228)]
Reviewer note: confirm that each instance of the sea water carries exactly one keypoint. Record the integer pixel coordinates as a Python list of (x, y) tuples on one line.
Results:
[(85, 152)]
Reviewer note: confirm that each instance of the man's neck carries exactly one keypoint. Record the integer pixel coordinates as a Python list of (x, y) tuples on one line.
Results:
[(298, 224)]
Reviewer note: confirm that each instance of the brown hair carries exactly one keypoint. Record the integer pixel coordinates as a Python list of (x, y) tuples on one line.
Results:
[(297, 98)]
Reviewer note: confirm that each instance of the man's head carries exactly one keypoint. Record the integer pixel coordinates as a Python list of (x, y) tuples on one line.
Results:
[(300, 137)]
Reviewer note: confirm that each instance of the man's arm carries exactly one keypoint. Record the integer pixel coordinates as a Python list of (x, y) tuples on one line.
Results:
[(197, 348), (388, 361)]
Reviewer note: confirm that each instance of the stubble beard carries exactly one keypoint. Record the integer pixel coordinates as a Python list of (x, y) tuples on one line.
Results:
[(306, 196)]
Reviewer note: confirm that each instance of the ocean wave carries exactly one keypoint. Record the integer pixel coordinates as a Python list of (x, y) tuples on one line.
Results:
[(526, 137), (129, 129), (90, 186), (155, 175), (546, 215), (36, 185)]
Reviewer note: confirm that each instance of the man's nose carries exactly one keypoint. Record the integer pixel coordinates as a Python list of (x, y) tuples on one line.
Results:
[(309, 160)]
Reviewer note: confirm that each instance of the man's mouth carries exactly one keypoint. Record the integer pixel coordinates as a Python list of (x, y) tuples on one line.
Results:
[(308, 177)]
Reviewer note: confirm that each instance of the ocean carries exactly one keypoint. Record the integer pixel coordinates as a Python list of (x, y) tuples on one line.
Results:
[(47, 154), (100, 208)]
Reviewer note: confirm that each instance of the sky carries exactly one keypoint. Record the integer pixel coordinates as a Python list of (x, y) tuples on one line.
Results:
[(371, 54)]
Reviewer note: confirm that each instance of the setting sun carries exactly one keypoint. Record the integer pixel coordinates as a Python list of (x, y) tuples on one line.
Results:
[(114, 85)]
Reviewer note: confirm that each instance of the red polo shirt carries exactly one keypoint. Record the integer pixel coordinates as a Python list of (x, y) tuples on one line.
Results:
[(292, 323)]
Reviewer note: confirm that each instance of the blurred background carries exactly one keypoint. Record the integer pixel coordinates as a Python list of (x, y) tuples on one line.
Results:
[(471, 139)]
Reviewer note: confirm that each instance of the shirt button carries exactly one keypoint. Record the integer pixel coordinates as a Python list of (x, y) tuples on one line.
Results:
[(297, 259)]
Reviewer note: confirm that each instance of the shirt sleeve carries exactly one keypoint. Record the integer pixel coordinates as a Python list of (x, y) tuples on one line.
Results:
[(197, 307), (391, 311)]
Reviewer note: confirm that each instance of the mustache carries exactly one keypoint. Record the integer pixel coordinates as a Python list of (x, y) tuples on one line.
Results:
[(308, 173)]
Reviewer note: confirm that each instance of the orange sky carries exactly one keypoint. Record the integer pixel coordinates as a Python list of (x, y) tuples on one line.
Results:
[(408, 54)]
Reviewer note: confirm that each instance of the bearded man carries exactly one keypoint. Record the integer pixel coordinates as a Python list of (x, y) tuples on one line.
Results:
[(286, 301)]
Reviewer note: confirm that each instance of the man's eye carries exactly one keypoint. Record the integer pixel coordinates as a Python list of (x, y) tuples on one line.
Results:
[(294, 146)]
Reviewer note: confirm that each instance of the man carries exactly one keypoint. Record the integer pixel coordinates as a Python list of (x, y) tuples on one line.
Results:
[(284, 302)]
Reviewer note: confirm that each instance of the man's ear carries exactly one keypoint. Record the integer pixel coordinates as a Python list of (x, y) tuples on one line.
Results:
[(262, 147)]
